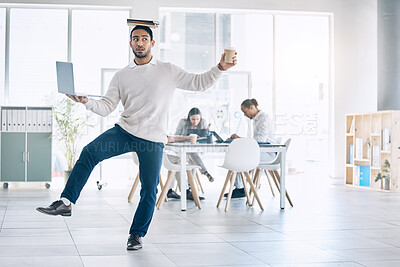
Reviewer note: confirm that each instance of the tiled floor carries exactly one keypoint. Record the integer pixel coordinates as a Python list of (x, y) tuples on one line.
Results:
[(330, 225)]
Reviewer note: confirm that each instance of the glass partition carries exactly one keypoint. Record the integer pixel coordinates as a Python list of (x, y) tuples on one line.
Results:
[(252, 36), (188, 40), (38, 38), (287, 54), (100, 39), (302, 84)]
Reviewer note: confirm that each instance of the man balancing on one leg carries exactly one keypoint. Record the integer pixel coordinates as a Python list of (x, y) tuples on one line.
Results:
[(146, 88)]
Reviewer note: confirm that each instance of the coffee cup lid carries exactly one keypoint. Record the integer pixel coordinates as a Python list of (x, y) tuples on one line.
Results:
[(230, 48)]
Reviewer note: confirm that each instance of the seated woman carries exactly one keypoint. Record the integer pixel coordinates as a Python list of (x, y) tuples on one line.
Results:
[(264, 132), (194, 120)]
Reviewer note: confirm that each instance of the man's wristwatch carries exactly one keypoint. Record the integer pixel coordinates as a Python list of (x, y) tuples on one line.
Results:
[(220, 67)]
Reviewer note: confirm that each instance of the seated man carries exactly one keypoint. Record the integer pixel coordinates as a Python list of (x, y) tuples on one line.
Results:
[(264, 132)]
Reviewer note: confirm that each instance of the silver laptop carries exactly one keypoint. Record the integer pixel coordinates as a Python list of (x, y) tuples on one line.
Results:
[(65, 79)]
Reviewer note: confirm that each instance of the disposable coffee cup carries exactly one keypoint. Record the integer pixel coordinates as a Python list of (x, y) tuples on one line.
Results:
[(229, 54), (193, 138)]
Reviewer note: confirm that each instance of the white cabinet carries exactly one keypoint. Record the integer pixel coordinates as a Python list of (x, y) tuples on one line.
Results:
[(25, 144)]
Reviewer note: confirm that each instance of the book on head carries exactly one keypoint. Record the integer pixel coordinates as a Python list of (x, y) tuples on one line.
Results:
[(148, 23)]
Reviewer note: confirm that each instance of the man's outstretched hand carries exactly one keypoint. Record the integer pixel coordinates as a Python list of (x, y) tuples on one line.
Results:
[(79, 99), (222, 65)]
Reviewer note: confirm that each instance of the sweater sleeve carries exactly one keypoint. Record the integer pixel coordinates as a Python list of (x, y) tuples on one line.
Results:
[(107, 103), (195, 82)]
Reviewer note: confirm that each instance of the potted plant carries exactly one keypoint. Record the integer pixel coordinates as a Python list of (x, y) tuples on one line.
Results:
[(70, 127), (384, 176)]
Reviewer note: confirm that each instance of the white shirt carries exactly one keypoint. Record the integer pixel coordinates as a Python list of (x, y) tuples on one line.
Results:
[(146, 92), (264, 128)]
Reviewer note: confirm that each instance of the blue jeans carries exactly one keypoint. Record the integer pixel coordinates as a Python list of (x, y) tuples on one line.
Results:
[(114, 142)]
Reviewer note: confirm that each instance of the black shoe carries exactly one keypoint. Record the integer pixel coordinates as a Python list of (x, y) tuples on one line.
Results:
[(210, 178), (189, 195), (237, 193), (56, 208), (172, 194), (134, 242)]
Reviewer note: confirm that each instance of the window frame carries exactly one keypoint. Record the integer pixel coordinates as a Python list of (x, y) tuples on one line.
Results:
[(6, 91)]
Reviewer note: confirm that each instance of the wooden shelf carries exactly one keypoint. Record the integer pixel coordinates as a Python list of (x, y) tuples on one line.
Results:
[(370, 129), (362, 160)]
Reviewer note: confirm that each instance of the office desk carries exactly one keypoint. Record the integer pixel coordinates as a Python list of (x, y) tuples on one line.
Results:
[(183, 148)]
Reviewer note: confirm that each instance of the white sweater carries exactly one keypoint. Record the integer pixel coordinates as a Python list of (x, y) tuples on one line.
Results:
[(146, 92)]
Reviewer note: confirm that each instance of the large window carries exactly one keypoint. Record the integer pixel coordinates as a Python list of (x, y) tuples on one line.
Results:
[(255, 54), (287, 56), (100, 39), (191, 40), (2, 52), (195, 41), (220, 106), (302, 83), (38, 37)]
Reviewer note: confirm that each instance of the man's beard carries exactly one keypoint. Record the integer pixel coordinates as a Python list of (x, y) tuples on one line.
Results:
[(140, 56)]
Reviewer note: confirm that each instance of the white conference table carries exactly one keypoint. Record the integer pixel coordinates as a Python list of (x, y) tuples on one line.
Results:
[(183, 148)]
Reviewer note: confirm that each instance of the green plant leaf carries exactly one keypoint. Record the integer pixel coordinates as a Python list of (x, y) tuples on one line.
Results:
[(378, 177), (69, 128)]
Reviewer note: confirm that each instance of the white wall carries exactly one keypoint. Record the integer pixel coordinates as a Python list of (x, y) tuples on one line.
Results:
[(355, 48)]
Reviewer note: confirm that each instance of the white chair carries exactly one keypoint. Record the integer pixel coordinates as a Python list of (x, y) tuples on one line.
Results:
[(137, 179), (172, 170), (272, 168), (242, 156)]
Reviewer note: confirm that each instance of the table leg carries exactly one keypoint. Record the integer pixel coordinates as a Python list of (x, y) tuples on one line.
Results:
[(283, 178), (183, 180)]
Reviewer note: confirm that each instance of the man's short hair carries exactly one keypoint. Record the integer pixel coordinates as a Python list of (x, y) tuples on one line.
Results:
[(147, 29)]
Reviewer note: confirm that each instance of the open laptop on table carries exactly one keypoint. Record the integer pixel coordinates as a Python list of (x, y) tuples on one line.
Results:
[(65, 79), (219, 139), (199, 132)]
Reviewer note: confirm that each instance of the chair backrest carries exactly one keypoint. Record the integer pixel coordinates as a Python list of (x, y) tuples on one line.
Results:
[(278, 157), (168, 164), (135, 158), (242, 155)]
